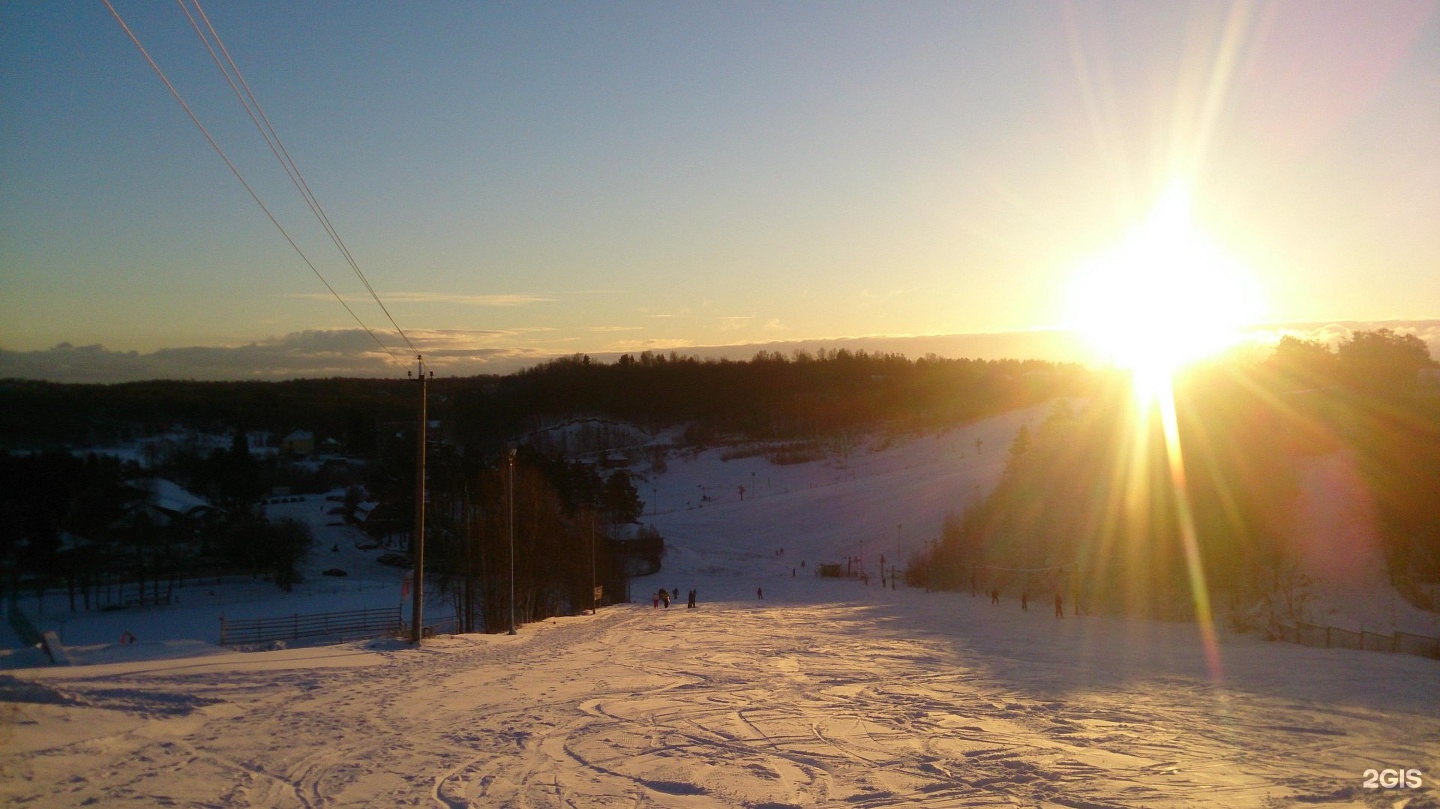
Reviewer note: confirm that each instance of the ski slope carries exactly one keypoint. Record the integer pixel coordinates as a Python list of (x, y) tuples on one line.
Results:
[(823, 693)]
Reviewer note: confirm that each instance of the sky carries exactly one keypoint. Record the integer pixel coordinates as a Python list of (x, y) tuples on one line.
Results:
[(518, 181)]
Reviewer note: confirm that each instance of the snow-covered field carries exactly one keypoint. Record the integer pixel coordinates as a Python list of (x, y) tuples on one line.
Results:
[(824, 693)]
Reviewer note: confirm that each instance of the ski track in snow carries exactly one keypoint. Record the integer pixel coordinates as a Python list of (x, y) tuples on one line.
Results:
[(826, 693), (848, 703)]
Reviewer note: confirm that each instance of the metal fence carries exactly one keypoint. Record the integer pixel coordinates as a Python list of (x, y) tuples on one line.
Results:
[(1333, 637), (340, 626)]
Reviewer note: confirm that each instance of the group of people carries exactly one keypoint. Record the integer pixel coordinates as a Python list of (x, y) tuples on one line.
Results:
[(1025, 601), (663, 597)]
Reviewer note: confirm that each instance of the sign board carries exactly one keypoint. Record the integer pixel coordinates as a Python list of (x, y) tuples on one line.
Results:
[(599, 594)]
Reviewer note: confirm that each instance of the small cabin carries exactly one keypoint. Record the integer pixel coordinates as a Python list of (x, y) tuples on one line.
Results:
[(300, 442)]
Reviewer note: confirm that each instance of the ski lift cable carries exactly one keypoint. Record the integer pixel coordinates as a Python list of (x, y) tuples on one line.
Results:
[(277, 147), (235, 171)]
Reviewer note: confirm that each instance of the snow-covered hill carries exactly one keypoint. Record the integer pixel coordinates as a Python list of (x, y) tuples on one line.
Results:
[(883, 497), (823, 693), (1336, 538)]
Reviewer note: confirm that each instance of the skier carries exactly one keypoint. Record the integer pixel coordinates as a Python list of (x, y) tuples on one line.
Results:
[(760, 593), (665, 598), (995, 596), (1025, 602), (1059, 606)]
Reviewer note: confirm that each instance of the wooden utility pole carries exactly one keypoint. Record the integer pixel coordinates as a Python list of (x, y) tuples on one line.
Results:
[(467, 534), (417, 545), (512, 541)]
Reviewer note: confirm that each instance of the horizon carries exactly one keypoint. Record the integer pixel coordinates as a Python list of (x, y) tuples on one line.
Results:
[(350, 353), (516, 184)]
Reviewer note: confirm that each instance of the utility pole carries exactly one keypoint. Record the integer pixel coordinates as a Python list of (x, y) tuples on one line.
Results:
[(417, 607), (467, 534), (512, 542), (594, 602)]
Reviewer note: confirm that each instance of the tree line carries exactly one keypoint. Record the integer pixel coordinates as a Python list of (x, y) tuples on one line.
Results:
[(770, 396), (1097, 496)]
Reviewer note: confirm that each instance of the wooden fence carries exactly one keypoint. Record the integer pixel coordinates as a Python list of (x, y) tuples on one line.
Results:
[(1333, 637), (340, 626)]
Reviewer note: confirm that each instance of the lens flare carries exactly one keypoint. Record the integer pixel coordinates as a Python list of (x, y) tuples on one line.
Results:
[(1164, 297)]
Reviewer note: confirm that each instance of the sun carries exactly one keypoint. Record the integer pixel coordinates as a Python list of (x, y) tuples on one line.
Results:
[(1165, 297)]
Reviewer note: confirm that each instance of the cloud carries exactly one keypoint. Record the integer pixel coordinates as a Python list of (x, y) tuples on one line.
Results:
[(353, 352), (436, 297), (627, 346), (308, 354), (684, 311), (735, 322)]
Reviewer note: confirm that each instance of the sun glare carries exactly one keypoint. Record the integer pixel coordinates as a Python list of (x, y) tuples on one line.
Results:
[(1164, 297)]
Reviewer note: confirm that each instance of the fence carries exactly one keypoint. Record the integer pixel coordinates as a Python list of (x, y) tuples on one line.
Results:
[(1333, 637), (351, 625)]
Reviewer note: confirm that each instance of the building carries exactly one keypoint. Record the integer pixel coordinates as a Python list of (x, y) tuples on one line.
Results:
[(300, 442)]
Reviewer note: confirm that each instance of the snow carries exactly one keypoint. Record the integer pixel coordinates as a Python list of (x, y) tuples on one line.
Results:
[(168, 495), (825, 693), (1337, 540)]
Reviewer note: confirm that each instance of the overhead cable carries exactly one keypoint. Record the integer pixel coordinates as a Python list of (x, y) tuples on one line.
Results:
[(233, 170), (277, 147)]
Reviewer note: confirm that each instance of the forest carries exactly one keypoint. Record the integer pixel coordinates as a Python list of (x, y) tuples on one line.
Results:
[(1096, 499), (770, 396), (80, 520)]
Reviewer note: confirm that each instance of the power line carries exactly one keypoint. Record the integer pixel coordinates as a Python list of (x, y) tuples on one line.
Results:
[(233, 170), (277, 147)]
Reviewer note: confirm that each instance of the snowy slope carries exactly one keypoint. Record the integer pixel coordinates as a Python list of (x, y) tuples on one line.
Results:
[(1337, 540), (875, 501), (833, 695)]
